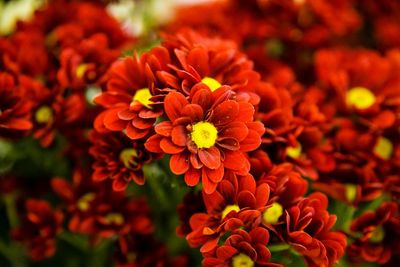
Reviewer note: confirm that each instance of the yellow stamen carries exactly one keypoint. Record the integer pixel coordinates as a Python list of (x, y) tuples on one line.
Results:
[(273, 213), (127, 156), (213, 84), (80, 70), (44, 114), (114, 218), (351, 192), (83, 202), (360, 97), (377, 235), (204, 134), (228, 209), (242, 260), (294, 152), (383, 148), (143, 96)]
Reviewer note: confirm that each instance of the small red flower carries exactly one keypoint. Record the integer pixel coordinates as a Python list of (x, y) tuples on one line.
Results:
[(39, 228), (118, 158), (379, 230), (242, 248), (14, 108), (206, 135)]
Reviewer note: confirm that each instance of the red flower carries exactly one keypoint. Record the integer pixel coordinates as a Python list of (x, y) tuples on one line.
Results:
[(128, 100), (99, 212), (309, 231), (87, 63), (237, 202), (380, 235), (14, 108), (118, 158), (39, 227), (206, 135), (242, 248)]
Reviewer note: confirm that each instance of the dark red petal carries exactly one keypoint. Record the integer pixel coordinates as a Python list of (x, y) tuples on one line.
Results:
[(119, 185), (228, 143), (226, 252), (246, 200), (179, 163), (210, 157), (225, 113), (193, 111), (259, 235), (173, 104)]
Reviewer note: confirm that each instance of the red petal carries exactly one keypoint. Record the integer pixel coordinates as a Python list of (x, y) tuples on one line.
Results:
[(210, 157), (153, 144), (237, 130), (173, 104), (119, 185), (215, 175), (225, 113), (193, 111), (236, 161), (208, 186), (259, 235), (113, 122), (246, 112), (134, 133), (164, 128), (168, 147), (18, 124), (179, 135), (246, 200), (251, 142), (179, 163), (192, 177)]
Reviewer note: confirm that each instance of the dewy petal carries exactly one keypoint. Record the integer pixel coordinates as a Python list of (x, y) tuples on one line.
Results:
[(246, 112), (202, 98), (173, 104), (194, 111), (179, 163), (225, 113), (237, 130), (210, 157)]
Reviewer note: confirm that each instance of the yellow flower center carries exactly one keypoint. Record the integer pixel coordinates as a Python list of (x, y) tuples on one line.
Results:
[(127, 156), (272, 214), (351, 192), (242, 260), (143, 96), (114, 218), (294, 152), (204, 134), (228, 209), (360, 97), (83, 202), (44, 114), (377, 235), (213, 84), (383, 148), (80, 70)]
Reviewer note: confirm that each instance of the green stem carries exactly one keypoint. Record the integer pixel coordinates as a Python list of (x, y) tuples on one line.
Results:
[(279, 247), (153, 174), (74, 241), (12, 252), (9, 202)]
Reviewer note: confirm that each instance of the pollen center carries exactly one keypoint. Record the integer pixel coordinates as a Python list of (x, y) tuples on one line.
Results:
[(294, 152), (143, 96), (114, 218), (213, 84), (80, 70), (272, 214), (377, 235), (383, 148), (44, 114), (228, 209), (360, 97), (242, 260), (204, 134), (84, 201), (350, 192), (127, 156)]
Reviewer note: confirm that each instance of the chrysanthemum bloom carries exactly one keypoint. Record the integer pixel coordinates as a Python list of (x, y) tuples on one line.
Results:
[(206, 135), (39, 227), (242, 248), (144, 250), (128, 100), (308, 229), (14, 108), (237, 202), (360, 82), (379, 234), (212, 61), (87, 63), (95, 210), (118, 158), (52, 111)]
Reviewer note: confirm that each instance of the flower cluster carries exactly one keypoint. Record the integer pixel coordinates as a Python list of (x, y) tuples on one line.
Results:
[(269, 141)]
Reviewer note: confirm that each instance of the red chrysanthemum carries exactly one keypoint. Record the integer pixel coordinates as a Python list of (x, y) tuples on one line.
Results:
[(118, 158), (14, 108), (237, 202), (242, 248), (39, 227), (206, 135), (128, 99), (380, 235)]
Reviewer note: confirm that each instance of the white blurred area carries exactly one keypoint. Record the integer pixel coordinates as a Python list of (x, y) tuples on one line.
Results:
[(136, 16)]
